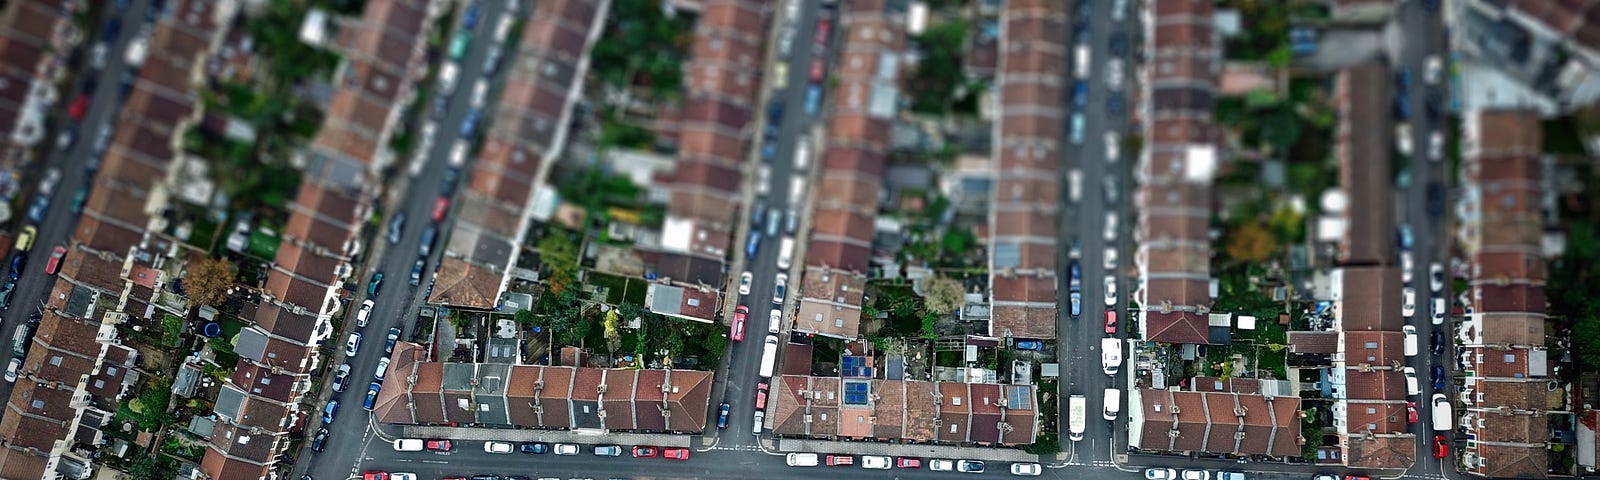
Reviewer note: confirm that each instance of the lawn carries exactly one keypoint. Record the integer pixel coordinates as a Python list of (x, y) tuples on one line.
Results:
[(619, 290)]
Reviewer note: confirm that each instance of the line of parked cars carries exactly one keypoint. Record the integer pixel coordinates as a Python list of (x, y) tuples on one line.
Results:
[(881, 462)]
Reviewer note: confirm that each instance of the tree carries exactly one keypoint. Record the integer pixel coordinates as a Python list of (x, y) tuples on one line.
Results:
[(208, 281), (524, 316), (560, 256), (944, 295), (1250, 242), (939, 73), (929, 322)]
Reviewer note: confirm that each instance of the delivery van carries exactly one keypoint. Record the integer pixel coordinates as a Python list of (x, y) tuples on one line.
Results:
[(801, 460), (1113, 404), (1441, 413), (785, 252)]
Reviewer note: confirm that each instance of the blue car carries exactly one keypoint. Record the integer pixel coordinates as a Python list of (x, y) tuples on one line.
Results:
[(722, 416), (1029, 345), (469, 20), (1080, 94), (751, 246), (372, 396), (813, 98), (113, 26), (329, 411), (469, 125)]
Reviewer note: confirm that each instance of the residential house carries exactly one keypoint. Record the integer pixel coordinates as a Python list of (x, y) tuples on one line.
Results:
[(1527, 53), (36, 37), (903, 410), (1025, 197), (1362, 143), (1214, 423)]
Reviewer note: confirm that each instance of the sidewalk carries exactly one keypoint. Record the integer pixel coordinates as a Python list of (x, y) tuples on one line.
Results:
[(903, 450), (552, 436), (1185, 461)]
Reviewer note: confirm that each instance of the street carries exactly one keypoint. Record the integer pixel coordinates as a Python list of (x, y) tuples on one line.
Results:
[(396, 304), (104, 107), (1083, 224), (1424, 36)]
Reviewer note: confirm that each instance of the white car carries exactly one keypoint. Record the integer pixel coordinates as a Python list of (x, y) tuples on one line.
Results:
[(458, 153), (1160, 474), (1114, 73), (1436, 146), (1111, 226), (1196, 475), (1408, 302), (497, 447), (744, 283), (13, 368), (480, 93), (1111, 291), (1111, 258), (1406, 265), (383, 369), (1113, 147), (364, 313), (941, 465), (875, 462), (566, 449), (780, 288), (1438, 310), (1026, 469), (1432, 69), (352, 344)]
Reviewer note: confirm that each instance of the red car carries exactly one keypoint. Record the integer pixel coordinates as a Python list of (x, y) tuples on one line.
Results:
[(642, 451), (1111, 322), (441, 206), (55, 260), (761, 396), (1441, 449), (675, 454), (1411, 412), (841, 460), (908, 462), (824, 26), (816, 69), (438, 445), (739, 314), (79, 106), (375, 476)]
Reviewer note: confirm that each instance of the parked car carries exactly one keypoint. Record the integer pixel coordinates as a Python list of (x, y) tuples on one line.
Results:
[(330, 411), (782, 282), (533, 448), (744, 283), (641, 451), (371, 400), (1408, 302), (675, 454), (1436, 375), (607, 450), (1411, 412), (1111, 321), (438, 445), (396, 225), (1196, 475), (1438, 342), (736, 331), (382, 370), (908, 462), (1436, 277), (1111, 291), (388, 342), (969, 466), (941, 465), (54, 264), (13, 369), (1441, 447), (496, 447), (722, 415), (416, 272), (1160, 474), (375, 285), (876, 462), (352, 344), (1026, 469), (341, 377), (320, 440)]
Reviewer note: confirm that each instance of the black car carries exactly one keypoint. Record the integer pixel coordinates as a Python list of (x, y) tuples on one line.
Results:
[(1438, 343), (1115, 103), (416, 272), (1118, 44), (320, 440), (1438, 378), (534, 448), (485, 477), (1435, 199)]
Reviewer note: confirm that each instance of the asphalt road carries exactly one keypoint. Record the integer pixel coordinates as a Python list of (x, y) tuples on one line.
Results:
[(1424, 36), (745, 360), (1084, 221), (59, 221), (396, 304)]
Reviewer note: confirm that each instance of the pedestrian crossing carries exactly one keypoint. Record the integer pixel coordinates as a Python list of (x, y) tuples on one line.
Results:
[(1096, 463), (742, 448)]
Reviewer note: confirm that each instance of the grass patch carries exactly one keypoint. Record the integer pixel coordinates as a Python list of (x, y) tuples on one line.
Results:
[(619, 290), (1561, 137)]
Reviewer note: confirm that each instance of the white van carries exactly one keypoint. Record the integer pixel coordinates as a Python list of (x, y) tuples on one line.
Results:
[(801, 460), (802, 154), (1441, 413), (797, 190), (1411, 340), (1110, 355), (1113, 404), (408, 445), (785, 253)]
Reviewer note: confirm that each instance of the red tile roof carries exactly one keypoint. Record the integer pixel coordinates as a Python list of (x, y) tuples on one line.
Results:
[(1237, 424)]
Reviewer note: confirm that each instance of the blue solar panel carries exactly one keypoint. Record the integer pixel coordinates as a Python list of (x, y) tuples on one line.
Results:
[(855, 393)]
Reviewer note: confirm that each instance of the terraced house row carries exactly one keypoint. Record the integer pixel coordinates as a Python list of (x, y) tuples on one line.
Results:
[(1024, 207), (1175, 171), (120, 265), (35, 39), (528, 133), (845, 200), (260, 404), (1507, 406), (721, 86)]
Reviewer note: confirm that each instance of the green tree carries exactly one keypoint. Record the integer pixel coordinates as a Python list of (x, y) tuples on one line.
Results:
[(642, 46), (930, 323), (944, 295), (524, 316), (938, 75)]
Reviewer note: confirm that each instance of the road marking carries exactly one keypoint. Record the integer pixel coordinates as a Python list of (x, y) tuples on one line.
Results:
[(746, 448)]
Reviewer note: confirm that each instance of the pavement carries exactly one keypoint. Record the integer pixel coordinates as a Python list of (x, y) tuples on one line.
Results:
[(398, 303), (59, 221)]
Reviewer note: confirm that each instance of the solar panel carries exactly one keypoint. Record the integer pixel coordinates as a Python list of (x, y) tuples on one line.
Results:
[(855, 393)]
